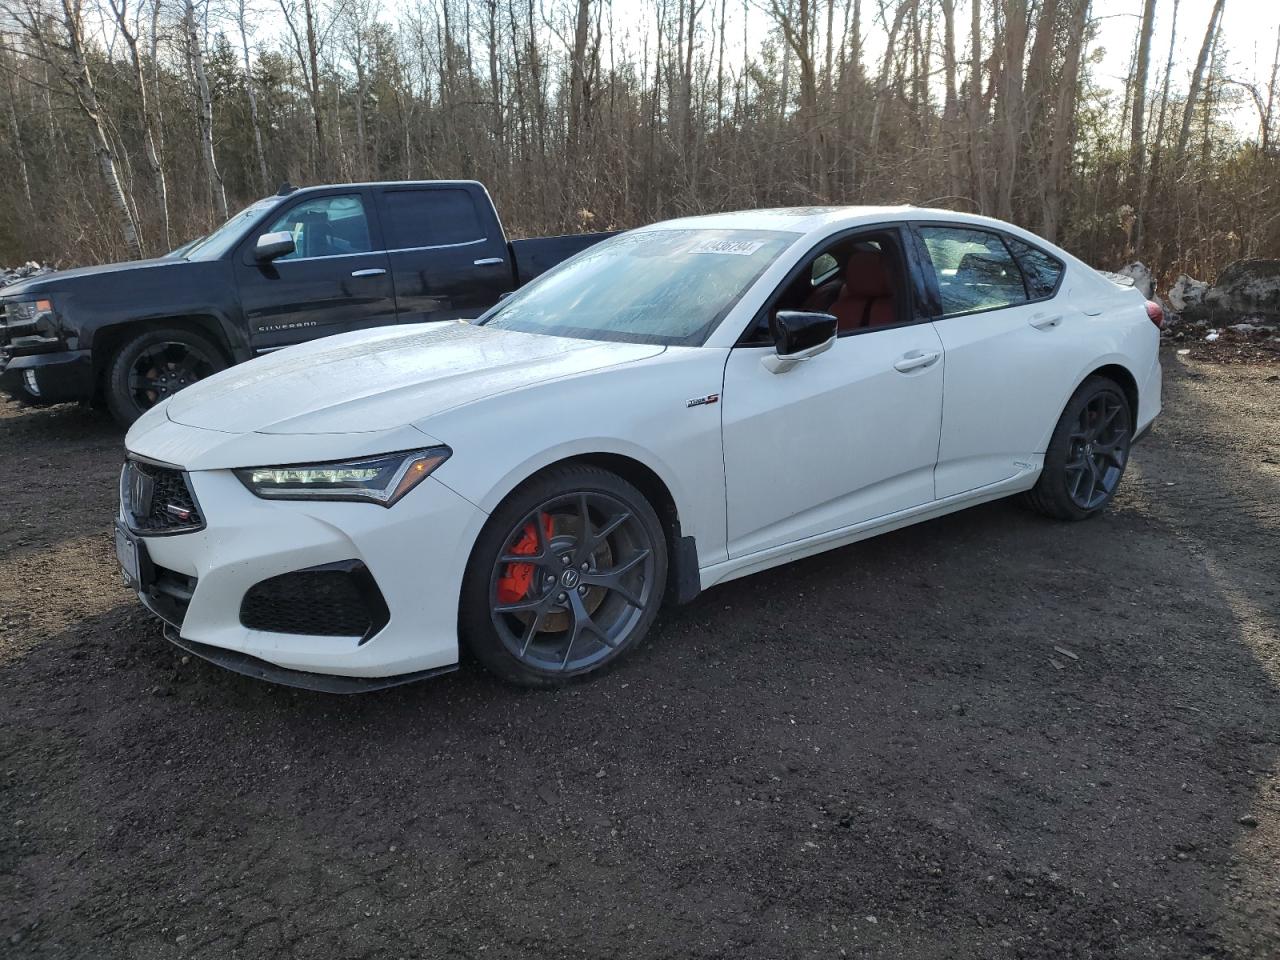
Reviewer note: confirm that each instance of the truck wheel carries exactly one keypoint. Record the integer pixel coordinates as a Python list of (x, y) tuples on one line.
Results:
[(154, 365)]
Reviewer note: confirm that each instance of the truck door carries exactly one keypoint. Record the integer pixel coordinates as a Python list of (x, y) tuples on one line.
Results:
[(336, 280), (449, 257)]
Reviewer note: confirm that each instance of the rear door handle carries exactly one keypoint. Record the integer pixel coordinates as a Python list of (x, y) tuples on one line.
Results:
[(488, 262), (915, 360), (371, 272), (1043, 321)]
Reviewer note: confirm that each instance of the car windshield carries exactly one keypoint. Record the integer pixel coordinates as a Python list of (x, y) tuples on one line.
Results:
[(652, 286), (226, 236)]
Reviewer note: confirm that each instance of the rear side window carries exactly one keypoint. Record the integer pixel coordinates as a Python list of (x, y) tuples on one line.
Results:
[(430, 218), (974, 270), (1041, 271)]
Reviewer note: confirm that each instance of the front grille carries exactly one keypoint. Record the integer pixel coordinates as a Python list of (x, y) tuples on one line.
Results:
[(334, 600), (158, 499)]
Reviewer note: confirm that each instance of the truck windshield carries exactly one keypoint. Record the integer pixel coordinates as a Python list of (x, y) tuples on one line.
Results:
[(653, 286), (226, 236)]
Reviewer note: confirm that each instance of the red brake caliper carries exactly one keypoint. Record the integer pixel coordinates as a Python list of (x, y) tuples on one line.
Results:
[(514, 584)]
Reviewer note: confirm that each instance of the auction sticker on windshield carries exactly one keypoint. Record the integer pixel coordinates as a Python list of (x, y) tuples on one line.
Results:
[(737, 248)]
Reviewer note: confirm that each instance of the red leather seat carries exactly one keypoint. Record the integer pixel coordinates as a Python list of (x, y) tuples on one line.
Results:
[(866, 299)]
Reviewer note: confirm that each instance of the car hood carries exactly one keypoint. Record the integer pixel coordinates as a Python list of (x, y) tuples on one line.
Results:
[(394, 376), (63, 279)]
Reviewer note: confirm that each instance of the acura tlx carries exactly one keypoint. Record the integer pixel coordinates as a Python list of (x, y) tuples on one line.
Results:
[(681, 405)]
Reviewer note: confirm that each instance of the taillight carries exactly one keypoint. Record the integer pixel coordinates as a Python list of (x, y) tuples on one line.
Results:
[(1156, 313)]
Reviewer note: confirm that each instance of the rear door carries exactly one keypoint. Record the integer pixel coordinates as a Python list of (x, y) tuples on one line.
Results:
[(336, 280), (449, 257), (1013, 346)]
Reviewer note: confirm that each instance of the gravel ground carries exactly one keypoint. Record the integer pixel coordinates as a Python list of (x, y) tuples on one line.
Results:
[(985, 736)]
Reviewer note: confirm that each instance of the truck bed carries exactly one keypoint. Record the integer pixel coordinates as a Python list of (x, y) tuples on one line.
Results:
[(536, 256)]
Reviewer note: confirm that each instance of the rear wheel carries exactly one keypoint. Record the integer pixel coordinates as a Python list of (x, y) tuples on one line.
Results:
[(155, 364), (566, 577), (1087, 453)]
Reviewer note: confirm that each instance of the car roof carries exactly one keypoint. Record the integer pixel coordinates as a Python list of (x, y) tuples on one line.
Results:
[(803, 220)]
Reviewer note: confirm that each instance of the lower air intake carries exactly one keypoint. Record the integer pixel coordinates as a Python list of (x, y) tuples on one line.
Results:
[(335, 600)]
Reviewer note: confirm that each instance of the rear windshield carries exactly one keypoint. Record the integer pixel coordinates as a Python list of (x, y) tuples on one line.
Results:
[(650, 286)]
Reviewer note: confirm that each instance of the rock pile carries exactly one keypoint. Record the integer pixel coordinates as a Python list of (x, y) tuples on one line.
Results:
[(1239, 311), (28, 269)]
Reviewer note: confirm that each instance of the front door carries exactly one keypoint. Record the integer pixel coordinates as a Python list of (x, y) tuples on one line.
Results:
[(336, 280), (849, 435)]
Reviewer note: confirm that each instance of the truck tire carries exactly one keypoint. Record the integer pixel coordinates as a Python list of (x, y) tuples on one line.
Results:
[(152, 365)]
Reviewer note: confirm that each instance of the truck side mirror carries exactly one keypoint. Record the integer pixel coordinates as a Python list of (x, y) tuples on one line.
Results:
[(273, 245)]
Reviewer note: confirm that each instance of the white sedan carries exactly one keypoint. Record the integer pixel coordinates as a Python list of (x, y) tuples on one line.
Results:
[(678, 406)]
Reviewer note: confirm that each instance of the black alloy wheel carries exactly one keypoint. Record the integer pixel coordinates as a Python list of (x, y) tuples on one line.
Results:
[(574, 566), (154, 365), (1087, 454), (1099, 450)]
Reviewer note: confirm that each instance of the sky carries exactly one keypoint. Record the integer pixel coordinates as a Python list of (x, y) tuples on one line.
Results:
[(1248, 36)]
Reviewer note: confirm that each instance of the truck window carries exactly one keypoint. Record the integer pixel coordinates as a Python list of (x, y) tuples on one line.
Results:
[(326, 227), (431, 218)]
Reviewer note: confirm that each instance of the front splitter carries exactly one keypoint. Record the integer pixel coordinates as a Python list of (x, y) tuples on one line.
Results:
[(251, 666)]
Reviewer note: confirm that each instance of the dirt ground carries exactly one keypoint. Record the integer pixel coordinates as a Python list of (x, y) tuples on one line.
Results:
[(985, 736)]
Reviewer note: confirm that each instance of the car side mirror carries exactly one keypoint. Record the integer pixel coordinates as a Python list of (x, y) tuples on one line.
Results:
[(273, 245), (799, 335)]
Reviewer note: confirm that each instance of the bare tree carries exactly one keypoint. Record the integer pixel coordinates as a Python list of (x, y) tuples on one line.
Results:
[(1197, 80), (241, 12), (151, 151)]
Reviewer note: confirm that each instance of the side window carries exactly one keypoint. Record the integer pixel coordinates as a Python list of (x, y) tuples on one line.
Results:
[(856, 279), (1041, 271), (974, 269), (431, 218), (326, 227)]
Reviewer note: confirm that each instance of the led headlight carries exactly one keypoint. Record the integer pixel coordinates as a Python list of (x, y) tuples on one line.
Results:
[(382, 479)]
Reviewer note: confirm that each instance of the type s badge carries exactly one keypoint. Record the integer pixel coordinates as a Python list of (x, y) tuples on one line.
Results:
[(703, 401)]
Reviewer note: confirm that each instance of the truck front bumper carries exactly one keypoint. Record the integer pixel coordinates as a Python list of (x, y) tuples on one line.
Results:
[(49, 377)]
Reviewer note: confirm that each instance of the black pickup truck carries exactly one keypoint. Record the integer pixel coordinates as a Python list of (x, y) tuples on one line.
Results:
[(303, 264)]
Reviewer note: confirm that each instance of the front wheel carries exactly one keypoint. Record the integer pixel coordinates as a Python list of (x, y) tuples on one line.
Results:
[(1087, 453), (566, 577), (155, 364)]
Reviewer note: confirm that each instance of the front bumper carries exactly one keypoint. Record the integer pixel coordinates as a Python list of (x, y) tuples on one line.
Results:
[(59, 377), (416, 553)]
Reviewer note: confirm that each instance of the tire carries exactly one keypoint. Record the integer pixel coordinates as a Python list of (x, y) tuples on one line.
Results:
[(577, 605), (154, 364), (1087, 453)]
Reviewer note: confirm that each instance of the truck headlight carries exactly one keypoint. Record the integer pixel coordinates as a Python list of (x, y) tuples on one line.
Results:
[(32, 318), (382, 480)]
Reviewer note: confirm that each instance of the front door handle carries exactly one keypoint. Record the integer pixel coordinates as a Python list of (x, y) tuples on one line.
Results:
[(915, 360), (371, 272), (488, 262), (1045, 321)]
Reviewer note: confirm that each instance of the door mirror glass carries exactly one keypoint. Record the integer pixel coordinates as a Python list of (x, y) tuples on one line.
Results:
[(271, 246)]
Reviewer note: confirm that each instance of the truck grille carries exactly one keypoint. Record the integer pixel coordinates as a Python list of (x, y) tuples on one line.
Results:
[(334, 600), (158, 499)]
